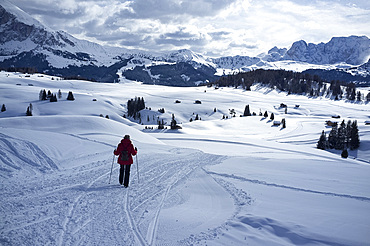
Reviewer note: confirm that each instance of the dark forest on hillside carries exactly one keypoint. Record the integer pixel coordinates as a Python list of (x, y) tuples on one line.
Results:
[(291, 82)]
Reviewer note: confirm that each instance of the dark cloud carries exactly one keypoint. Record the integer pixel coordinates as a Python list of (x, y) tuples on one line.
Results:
[(220, 35), (243, 45), (181, 38)]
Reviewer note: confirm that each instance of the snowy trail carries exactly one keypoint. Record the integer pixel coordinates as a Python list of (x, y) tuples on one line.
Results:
[(77, 199), (131, 221)]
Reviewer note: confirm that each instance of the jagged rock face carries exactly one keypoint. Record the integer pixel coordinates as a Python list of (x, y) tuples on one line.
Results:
[(11, 29), (14, 30), (351, 50)]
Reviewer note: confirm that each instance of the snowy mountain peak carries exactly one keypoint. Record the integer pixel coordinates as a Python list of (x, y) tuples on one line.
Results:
[(352, 50), (10, 11)]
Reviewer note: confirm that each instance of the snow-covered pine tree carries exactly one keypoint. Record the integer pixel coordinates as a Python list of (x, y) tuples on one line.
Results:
[(355, 139), (348, 133), (323, 142), (3, 108), (333, 136), (341, 137)]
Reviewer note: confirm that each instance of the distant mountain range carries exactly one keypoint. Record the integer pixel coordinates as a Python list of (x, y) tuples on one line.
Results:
[(25, 42)]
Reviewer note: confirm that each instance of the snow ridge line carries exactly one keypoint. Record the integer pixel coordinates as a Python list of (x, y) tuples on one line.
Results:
[(132, 223), (255, 181)]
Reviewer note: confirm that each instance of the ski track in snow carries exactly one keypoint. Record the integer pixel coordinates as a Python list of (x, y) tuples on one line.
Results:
[(255, 181), (61, 240), (141, 204), (27, 152), (245, 144)]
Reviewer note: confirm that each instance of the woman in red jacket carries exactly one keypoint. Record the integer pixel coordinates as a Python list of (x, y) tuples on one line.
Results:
[(125, 150)]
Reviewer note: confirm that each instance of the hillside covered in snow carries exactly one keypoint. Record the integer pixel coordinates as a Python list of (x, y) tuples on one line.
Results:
[(216, 181)]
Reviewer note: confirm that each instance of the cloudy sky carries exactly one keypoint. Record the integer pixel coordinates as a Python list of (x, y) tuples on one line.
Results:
[(210, 27)]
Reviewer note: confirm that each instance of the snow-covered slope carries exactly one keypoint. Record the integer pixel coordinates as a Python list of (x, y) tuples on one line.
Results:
[(238, 181)]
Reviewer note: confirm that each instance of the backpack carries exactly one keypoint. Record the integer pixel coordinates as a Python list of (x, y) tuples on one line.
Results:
[(124, 155)]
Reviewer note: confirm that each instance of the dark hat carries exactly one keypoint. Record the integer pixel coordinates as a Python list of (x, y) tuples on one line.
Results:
[(126, 137)]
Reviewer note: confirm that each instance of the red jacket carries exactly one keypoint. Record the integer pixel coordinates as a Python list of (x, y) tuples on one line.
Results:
[(125, 145)]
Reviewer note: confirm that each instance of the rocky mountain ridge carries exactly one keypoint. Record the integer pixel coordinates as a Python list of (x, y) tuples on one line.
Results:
[(25, 42)]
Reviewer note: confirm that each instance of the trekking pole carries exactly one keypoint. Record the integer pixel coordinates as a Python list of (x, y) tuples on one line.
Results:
[(111, 170), (137, 169)]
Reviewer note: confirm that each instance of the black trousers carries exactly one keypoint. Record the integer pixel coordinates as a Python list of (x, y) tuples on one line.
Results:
[(124, 174)]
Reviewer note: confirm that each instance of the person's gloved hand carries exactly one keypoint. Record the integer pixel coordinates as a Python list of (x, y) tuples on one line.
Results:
[(135, 149)]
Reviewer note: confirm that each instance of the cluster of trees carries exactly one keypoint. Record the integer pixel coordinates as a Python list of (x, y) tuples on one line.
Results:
[(341, 138), (134, 106), (29, 70), (43, 95), (292, 82)]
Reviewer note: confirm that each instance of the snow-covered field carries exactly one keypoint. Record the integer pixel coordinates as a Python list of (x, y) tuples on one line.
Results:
[(238, 181)]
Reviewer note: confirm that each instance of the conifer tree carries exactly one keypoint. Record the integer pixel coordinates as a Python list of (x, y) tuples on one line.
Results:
[(348, 134), (359, 95), (3, 108), (272, 117), (173, 122), (160, 124), (333, 136), (70, 96), (247, 111), (322, 143), (355, 139), (53, 98), (265, 114), (341, 137), (283, 121), (29, 111), (44, 97)]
